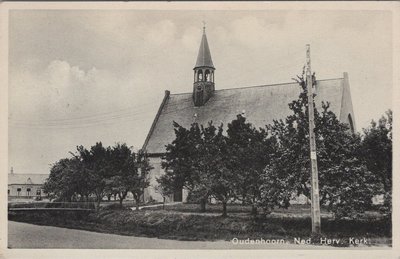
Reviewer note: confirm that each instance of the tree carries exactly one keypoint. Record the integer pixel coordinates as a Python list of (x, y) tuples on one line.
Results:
[(377, 153), (139, 180), (345, 182), (58, 184), (181, 163), (196, 160), (212, 152), (248, 153), (66, 180), (122, 170), (80, 179), (96, 164)]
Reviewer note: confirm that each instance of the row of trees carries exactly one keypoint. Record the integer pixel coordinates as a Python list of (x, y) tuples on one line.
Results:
[(267, 167), (99, 172)]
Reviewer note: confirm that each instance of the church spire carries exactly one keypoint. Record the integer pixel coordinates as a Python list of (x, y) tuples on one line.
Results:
[(204, 57), (203, 86)]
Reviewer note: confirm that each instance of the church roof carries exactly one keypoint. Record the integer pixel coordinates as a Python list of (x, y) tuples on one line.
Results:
[(27, 178), (262, 104), (204, 56)]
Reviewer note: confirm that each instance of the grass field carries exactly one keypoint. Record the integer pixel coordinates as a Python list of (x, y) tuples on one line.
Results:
[(185, 222)]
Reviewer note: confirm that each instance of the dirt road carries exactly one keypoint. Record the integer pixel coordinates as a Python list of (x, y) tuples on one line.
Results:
[(23, 235)]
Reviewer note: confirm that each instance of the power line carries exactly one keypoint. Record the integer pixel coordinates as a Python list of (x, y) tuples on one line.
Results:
[(89, 123), (131, 113), (85, 125), (89, 116), (94, 121)]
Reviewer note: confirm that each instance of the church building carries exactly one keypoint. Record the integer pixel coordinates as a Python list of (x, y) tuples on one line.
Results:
[(261, 105)]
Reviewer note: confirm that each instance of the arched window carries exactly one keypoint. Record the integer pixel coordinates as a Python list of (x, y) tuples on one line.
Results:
[(28, 191), (18, 191), (200, 75), (207, 76), (351, 123)]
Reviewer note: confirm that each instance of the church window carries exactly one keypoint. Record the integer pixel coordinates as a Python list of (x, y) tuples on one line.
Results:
[(18, 191), (28, 191)]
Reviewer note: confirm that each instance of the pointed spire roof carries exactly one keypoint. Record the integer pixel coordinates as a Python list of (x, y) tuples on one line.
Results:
[(204, 56)]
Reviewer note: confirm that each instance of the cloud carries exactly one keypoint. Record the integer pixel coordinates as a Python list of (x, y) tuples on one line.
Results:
[(62, 75), (63, 90)]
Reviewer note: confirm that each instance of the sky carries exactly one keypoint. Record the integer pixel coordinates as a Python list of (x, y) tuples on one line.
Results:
[(77, 77)]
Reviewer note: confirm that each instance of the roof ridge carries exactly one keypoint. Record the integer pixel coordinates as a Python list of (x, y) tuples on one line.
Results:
[(288, 83), (254, 86)]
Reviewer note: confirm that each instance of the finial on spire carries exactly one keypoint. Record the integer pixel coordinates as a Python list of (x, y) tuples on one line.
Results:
[(204, 27)]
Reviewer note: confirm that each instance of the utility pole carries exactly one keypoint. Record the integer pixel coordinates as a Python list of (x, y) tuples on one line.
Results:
[(315, 210)]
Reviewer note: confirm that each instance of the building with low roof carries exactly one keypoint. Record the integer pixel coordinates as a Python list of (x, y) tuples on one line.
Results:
[(261, 105), (25, 186)]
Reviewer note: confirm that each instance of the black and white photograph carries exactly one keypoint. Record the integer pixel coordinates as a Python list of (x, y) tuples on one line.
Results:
[(217, 126)]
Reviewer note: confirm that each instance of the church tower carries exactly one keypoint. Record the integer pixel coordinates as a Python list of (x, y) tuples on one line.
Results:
[(203, 86)]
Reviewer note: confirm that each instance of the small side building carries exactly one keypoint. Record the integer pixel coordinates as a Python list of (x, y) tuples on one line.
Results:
[(25, 186)]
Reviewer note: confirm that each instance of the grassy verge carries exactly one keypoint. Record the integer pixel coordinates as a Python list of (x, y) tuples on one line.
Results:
[(184, 222)]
